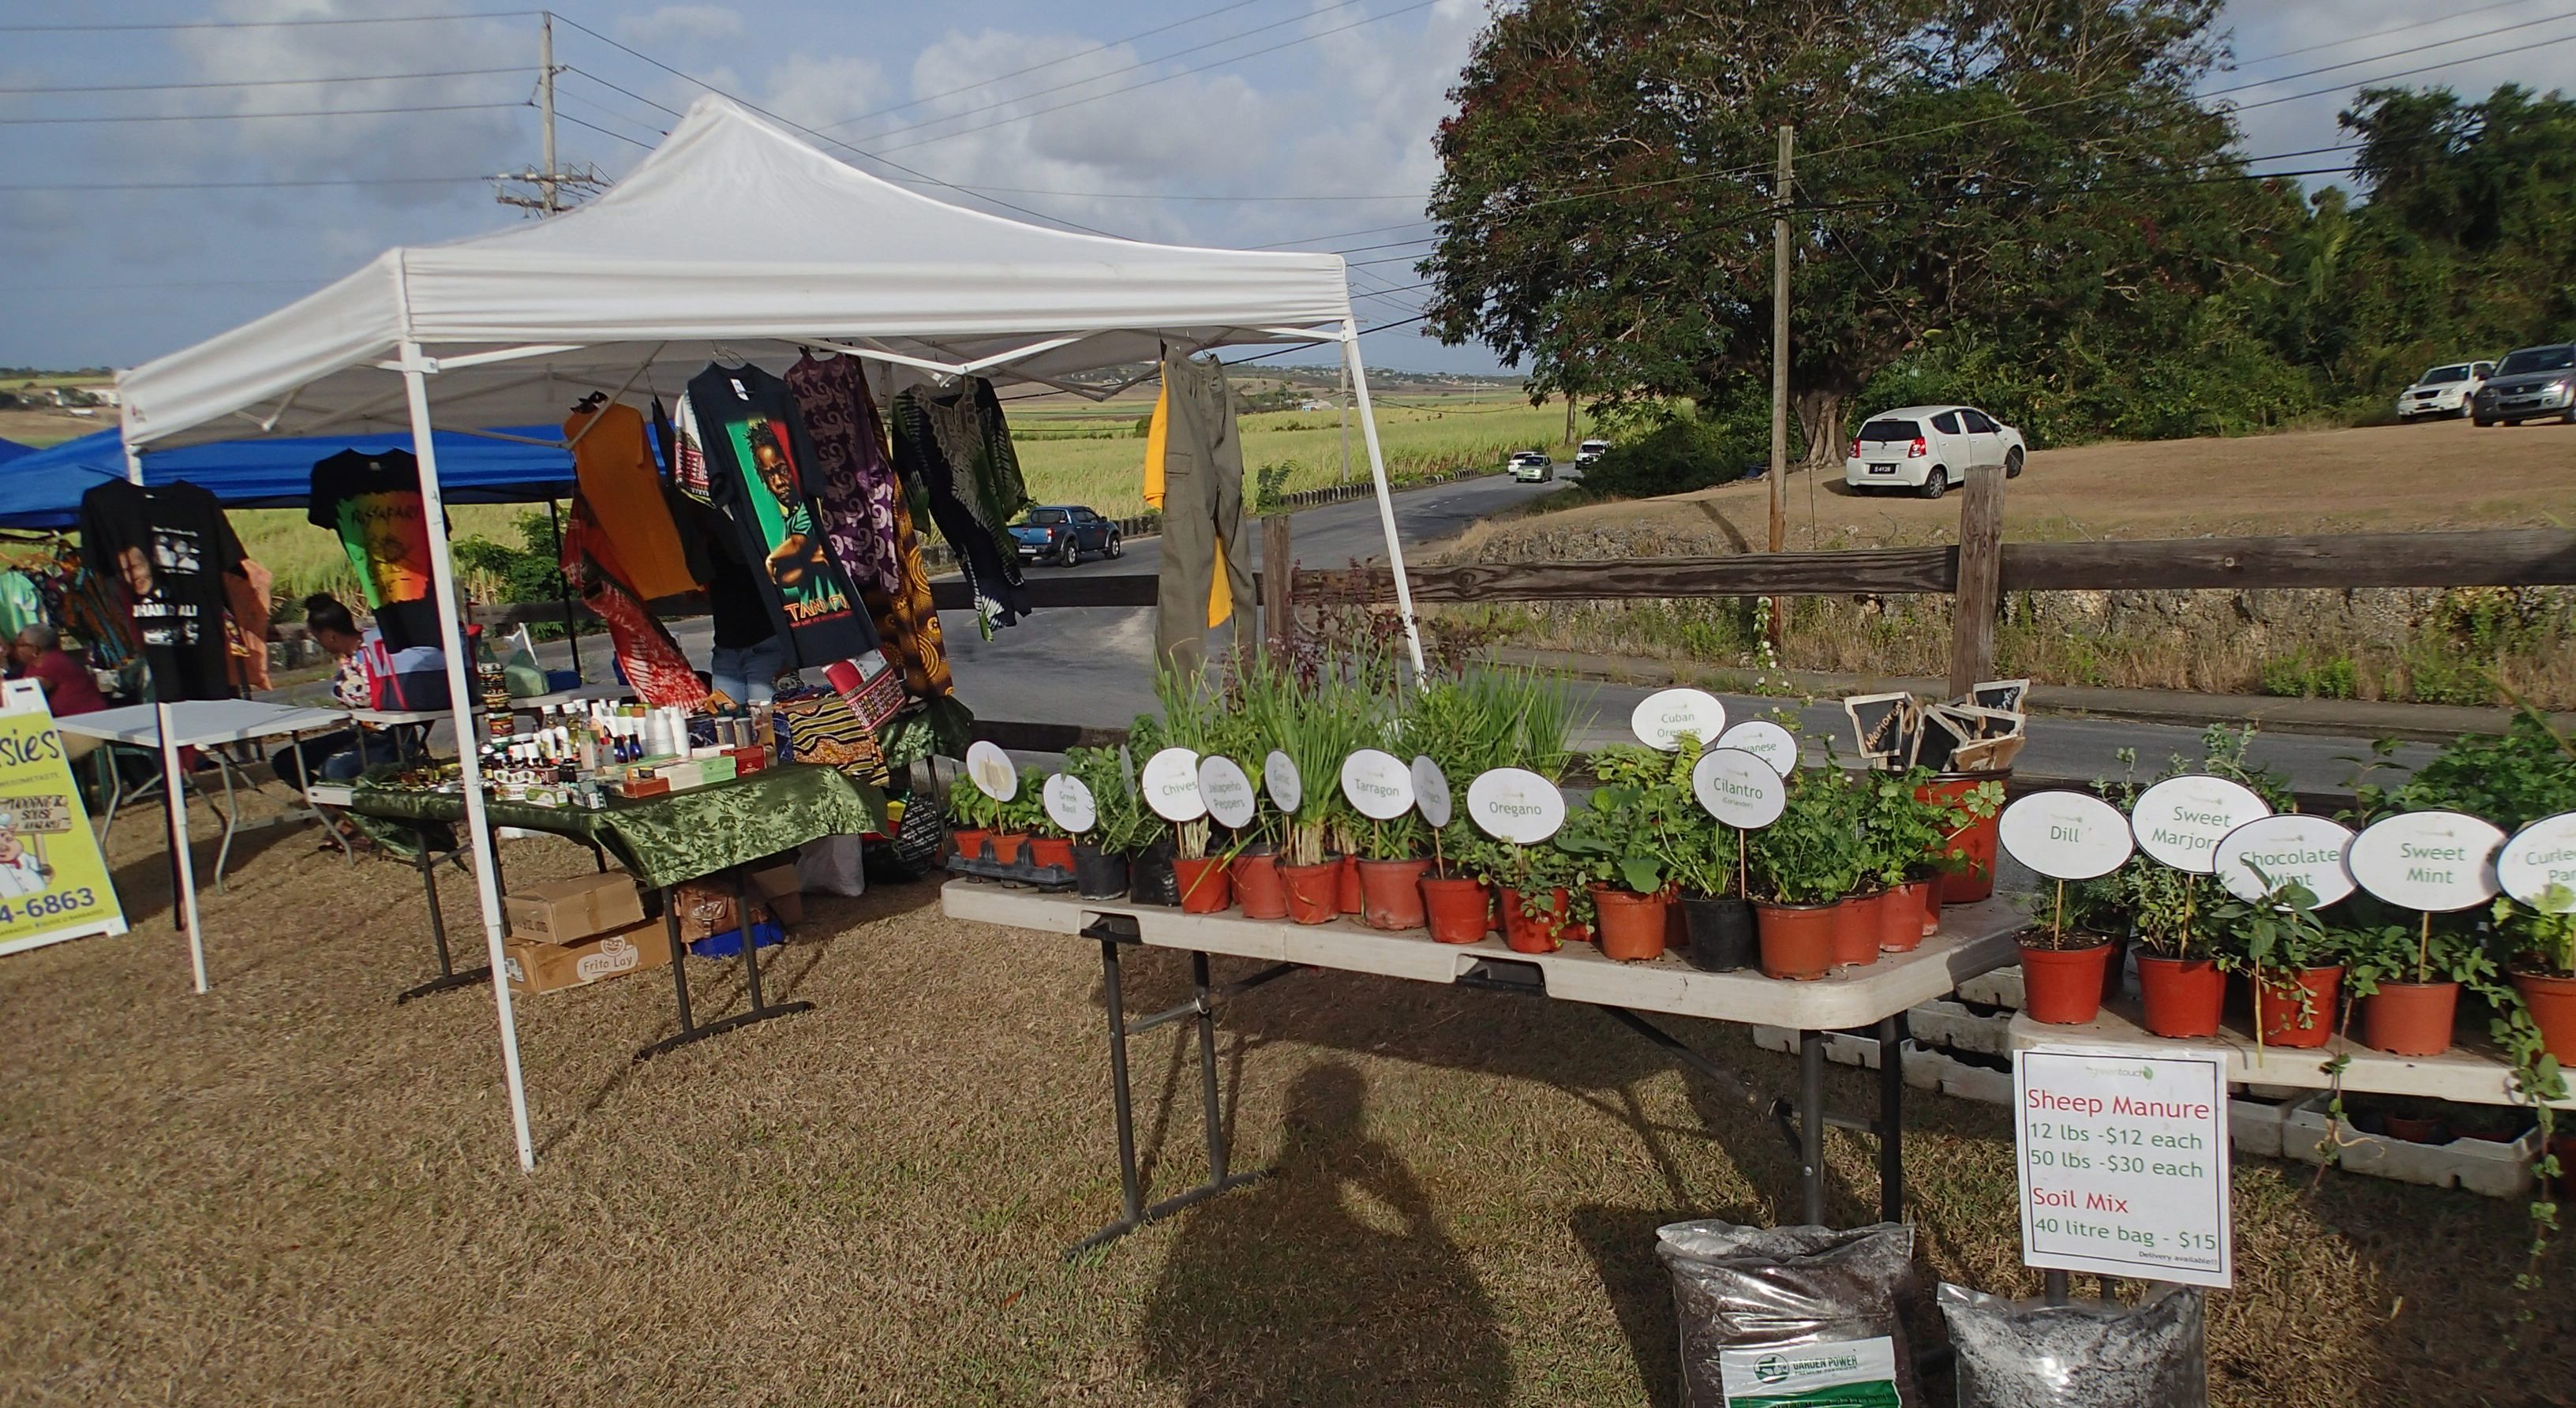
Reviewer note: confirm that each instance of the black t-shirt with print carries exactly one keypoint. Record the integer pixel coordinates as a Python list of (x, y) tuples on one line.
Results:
[(757, 469), (373, 502), (164, 551)]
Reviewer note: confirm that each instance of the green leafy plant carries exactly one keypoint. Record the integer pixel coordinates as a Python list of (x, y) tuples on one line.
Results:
[(1813, 853), (1121, 824), (1901, 832), (968, 808), (1026, 811)]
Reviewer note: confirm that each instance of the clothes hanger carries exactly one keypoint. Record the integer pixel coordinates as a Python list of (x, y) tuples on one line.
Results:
[(589, 402)]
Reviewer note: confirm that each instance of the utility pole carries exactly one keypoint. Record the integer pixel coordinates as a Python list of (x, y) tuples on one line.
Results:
[(548, 190), (1780, 359)]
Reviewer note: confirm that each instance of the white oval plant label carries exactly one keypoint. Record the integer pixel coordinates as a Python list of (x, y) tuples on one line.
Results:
[(2181, 820), (1069, 803), (1171, 782), (2279, 849), (1279, 774), (2432, 861), (1431, 792), (1378, 783), (2066, 835), (1739, 788), (991, 768), (1227, 792), (1515, 804), (1661, 718), (1765, 740), (2539, 855)]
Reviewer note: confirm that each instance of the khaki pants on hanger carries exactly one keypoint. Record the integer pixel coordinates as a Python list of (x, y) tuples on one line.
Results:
[(1203, 524)]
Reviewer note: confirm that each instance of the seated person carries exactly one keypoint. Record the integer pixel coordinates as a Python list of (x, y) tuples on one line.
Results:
[(38, 655), (343, 754)]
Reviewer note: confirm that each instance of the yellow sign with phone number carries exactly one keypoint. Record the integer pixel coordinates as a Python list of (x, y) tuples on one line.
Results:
[(53, 881)]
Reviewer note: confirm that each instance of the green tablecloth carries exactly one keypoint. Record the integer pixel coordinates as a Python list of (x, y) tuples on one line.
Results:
[(665, 840)]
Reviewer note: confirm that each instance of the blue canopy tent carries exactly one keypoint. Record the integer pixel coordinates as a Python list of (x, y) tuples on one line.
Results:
[(43, 488), (11, 449)]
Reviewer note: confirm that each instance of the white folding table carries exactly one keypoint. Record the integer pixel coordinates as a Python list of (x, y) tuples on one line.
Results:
[(1974, 939), (2472, 1072), (198, 723)]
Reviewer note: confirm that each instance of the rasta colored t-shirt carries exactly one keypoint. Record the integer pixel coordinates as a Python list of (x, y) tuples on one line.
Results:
[(164, 551), (373, 502), (758, 471)]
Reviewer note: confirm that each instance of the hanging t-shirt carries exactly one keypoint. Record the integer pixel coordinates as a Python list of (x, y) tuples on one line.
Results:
[(757, 455), (167, 549), (614, 463), (373, 502)]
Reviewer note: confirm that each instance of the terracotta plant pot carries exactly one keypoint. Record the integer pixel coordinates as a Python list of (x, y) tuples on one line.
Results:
[(1391, 893), (1721, 934), (1353, 900), (1632, 925), (1797, 939), (1054, 851), (2410, 1019), (1931, 904), (968, 841), (1006, 846), (1544, 934), (1098, 874), (1314, 892), (1258, 890), (1976, 880), (2183, 996), (1856, 929), (2063, 986), (1204, 887), (2415, 1129), (2284, 1019), (2114, 969), (1900, 918), (1459, 910), (2552, 1004)]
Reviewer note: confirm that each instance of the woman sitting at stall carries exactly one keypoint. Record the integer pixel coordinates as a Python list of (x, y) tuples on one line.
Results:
[(341, 755)]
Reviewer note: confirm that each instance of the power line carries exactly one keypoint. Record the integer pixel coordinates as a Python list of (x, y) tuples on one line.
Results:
[(562, 116), (2417, 49), (2407, 72), (1066, 59), (244, 185), (261, 24), (263, 82), (2448, 18), (240, 116)]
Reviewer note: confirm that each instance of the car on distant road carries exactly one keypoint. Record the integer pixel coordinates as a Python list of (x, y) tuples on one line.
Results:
[(1929, 448), (1062, 533), (2445, 390), (1533, 466), (1590, 450), (2531, 383)]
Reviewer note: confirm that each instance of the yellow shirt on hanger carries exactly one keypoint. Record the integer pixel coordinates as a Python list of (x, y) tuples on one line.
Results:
[(1157, 442)]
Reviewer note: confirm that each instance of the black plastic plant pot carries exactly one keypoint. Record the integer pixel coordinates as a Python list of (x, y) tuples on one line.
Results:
[(1098, 874), (1721, 934), (1149, 875)]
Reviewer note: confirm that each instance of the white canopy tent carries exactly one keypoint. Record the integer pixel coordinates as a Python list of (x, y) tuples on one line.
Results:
[(731, 238)]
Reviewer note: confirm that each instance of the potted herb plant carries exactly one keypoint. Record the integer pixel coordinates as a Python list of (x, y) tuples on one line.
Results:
[(2543, 943), (1013, 821), (2061, 969), (2405, 983), (1972, 802), (1196, 719), (970, 817), (1391, 867), (1119, 824), (1050, 845), (1624, 837), (1802, 866), (1901, 832), (1708, 865), (1540, 891), (1314, 726), (1456, 902), (2291, 960)]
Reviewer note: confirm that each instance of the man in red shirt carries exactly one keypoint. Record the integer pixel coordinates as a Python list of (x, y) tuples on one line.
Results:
[(38, 653)]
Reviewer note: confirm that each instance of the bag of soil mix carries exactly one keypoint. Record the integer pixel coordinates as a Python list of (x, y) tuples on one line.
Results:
[(2085, 1354), (1804, 1316)]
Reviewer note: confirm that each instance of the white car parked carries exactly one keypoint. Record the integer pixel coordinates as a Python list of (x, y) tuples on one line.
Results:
[(1590, 450), (1929, 448), (2445, 390)]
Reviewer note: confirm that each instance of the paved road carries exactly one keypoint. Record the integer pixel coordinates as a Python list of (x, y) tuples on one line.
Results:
[(1090, 667)]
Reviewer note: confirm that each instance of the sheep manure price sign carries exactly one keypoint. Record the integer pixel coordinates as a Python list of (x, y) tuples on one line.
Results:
[(2123, 1163)]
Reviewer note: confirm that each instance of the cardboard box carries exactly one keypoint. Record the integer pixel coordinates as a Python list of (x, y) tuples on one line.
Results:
[(568, 911), (543, 967), (783, 891)]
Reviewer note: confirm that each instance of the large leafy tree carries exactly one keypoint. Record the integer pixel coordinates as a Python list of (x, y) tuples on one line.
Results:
[(2027, 170)]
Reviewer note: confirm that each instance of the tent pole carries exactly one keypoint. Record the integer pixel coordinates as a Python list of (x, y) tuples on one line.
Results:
[(175, 798), (572, 624), (1385, 496), (460, 688)]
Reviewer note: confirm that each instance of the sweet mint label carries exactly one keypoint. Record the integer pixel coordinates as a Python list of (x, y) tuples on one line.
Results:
[(2432, 861)]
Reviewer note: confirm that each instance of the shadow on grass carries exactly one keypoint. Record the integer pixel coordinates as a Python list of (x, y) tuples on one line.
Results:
[(1330, 1281)]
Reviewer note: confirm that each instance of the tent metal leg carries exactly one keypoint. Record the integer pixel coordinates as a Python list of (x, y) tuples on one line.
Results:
[(760, 1010), (1201, 1008), (448, 978)]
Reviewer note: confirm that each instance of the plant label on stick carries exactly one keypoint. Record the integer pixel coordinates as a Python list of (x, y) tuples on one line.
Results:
[(991, 768), (1662, 718), (2539, 856), (1279, 774), (2066, 835), (1431, 792), (1069, 803), (2433, 861), (1516, 805), (1739, 789), (1227, 792), (1378, 784), (1765, 740), (2269, 852), (1171, 782), (2181, 820)]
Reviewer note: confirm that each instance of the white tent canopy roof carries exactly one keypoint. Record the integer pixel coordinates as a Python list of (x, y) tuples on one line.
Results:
[(732, 235)]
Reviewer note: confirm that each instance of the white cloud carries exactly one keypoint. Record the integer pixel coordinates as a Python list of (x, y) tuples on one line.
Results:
[(682, 24), (819, 90)]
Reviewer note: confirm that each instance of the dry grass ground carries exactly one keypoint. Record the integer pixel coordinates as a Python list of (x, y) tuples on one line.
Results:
[(291, 1191)]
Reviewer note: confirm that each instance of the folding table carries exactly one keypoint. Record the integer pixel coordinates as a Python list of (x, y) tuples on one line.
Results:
[(1974, 939), (199, 723)]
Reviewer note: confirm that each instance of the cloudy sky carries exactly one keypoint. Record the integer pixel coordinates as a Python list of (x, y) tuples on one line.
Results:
[(1291, 123)]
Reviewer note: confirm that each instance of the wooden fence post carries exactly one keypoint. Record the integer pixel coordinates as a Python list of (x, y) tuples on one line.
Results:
[(1278, 585), (1979, 595)]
